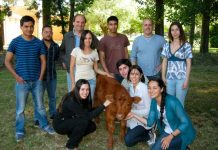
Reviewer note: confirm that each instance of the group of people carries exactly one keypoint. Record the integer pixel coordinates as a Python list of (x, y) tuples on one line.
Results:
[(80, 53)]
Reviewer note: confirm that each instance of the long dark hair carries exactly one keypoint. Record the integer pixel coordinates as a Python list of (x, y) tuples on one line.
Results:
[(182, 37), (140, 71), (162, 85), (82, 38), (74, 95)]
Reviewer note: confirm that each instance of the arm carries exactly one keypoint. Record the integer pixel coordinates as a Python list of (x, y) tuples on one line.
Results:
[(188, 70), (8, 59), (102, 60), (63, 53), (43, 66), (133, 55), (164, 69), (133, 115), (97, 70), (72, 66)]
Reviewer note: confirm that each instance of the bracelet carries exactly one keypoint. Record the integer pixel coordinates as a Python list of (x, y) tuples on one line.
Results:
[(173, 135)]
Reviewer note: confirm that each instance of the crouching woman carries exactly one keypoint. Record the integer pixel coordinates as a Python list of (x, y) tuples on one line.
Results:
[(74, 117), (176, 129)]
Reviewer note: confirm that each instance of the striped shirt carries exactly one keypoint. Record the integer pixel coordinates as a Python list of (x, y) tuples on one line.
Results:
[(52, 55), (28, 64)]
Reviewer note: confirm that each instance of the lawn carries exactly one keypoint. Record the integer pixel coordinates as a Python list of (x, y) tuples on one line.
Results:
[(201, 104)]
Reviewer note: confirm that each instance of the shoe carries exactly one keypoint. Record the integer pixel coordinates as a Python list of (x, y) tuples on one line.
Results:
[(19, 137), (49, 130), (152, 135), (36, 124)]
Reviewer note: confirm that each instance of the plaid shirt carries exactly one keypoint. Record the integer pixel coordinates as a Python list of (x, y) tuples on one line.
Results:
[(52, 55)]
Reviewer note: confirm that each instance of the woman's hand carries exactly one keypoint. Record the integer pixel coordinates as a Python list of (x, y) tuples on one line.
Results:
[(185, 84), (107, 103), (130, 115), (109, 75), (166, 141)]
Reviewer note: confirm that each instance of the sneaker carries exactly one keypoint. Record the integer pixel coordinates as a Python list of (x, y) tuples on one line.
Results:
[(49, 130), (152, 138), (19, 137), (36, 124)]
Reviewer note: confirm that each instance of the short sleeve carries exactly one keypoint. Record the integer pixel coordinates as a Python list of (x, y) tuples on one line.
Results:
[(188, 50), (96, 57), (42, 48), (74, 52), (165, 50), (11, 47), (126, 41)]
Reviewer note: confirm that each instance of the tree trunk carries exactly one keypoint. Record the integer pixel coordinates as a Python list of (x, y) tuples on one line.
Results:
[(46, 12), (192, 30), (1, 36), (159, 18), (205, 32), (72, 9), (62, 17)]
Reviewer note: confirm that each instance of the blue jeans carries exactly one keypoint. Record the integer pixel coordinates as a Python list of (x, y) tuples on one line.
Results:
[(69, 82), (92, 83), (22, 91), (174, 87), (175, 144), (51, 91), (135, 135)]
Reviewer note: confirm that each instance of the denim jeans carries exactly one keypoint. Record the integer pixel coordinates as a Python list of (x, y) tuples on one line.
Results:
[(92, 83), (135, 135), (50, 86), (69, 82), (175, 144), (174, 87), (22, 91)]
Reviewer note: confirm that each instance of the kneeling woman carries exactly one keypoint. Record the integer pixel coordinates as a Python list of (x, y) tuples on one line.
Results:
[(176, 129), (74, 114)]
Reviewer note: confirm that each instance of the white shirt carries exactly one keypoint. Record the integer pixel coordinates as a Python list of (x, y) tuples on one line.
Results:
[(167, 128), (142, 108)]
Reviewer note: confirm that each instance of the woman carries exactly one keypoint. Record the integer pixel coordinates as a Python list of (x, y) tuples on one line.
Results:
[(176, 129), (74, 117), (176, 66), (85, 60), (136, 131)]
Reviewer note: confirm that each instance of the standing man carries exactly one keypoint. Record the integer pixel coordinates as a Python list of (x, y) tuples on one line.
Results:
[(70, 41), (113, 47), (50, 76), (146, 50), (29, 71)]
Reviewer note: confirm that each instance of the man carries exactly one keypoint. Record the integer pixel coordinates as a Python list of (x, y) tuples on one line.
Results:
[(50, 76), (30, 68), (70, 41), (113, 47), (123, 66), (146, 51)]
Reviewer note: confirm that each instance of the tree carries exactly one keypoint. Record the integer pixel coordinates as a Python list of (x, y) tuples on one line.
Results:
[(46, 11), (4, 11), (153, 9)]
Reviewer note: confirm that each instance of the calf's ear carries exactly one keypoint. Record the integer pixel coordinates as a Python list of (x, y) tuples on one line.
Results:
[(109, 97), (136, 99)]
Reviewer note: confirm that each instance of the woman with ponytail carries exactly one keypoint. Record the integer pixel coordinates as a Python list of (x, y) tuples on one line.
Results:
[(175, 127)]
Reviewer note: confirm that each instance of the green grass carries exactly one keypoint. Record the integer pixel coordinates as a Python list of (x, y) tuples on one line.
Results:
[(201, 104)]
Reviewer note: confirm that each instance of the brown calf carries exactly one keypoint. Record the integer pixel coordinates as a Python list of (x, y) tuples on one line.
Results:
[(109, 88)]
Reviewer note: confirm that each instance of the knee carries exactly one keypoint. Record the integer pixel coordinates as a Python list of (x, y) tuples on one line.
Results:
[(156, 146), (128, 141)]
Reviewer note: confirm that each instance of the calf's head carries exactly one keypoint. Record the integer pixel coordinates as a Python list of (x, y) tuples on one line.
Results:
[(123, 105)]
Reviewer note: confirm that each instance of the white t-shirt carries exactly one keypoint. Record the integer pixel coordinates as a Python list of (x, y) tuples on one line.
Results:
[(167, 128), (84, 64)]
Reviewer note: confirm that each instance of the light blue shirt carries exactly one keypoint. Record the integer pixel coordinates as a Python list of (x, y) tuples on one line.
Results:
[(146, 52), (76, 39)]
